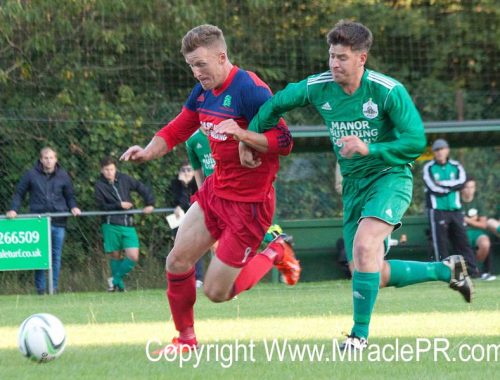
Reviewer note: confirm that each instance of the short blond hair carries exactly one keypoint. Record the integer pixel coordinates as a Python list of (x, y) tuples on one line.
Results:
[(205, 35), (47, 149)]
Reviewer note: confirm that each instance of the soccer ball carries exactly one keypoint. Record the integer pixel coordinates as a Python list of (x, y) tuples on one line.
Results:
[(42, 337)]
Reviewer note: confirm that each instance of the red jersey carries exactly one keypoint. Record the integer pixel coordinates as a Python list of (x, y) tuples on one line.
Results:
[(239, 98)]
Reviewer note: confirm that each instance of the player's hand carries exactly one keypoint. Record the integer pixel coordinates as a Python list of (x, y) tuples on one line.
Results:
[(148, 209), (76, 211), (179, 212), (231, 128), (249, 158), (351, 146), (126, 205), (135, 153), (11, 214)]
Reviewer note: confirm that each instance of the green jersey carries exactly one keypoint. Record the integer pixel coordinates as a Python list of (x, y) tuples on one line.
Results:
[(199, 153), (472, 209), (443, 183), (380, 112)]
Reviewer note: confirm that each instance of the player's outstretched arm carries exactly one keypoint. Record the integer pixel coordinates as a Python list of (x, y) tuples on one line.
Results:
[(155, 149)]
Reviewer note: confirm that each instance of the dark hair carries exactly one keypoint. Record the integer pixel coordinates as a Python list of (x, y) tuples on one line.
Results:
[(108, 160), (469, 178), (350, 33), (203, 35)]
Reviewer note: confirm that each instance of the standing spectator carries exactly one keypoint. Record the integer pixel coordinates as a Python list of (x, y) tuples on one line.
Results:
[(477, 228), (51, 190), (182, 188), (113, 193), (444, 178)]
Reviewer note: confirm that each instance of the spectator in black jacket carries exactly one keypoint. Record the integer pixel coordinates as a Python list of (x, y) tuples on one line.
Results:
[(112, 193), (182, 188), (51, 190)]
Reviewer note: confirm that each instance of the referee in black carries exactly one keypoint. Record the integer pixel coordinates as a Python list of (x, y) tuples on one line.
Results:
[(444, 178)]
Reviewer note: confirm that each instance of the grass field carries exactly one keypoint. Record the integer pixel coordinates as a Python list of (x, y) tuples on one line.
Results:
[(107, 334)]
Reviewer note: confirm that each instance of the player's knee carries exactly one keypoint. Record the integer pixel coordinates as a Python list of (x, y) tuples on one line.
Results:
[(362, 249), (364, 260), (215, 295), (177, 263)]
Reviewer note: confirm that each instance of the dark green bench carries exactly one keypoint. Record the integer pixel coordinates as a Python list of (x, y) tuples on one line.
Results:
[(315, 244)]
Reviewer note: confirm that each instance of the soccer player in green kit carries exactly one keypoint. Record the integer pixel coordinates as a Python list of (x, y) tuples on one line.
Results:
[(376, 132)]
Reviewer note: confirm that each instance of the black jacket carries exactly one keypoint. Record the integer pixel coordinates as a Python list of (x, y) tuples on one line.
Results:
[(48, 192), (110, 195), (182, 192)]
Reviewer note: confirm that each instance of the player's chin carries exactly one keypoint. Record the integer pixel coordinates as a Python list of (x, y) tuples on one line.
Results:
[(207, 86)]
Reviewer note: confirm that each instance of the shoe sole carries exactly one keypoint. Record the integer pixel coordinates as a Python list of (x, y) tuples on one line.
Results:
[(467, 279)]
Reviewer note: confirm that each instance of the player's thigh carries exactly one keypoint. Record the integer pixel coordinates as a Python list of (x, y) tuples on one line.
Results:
[(192, 241), (219, 280), (371, 234), (352, 201), (388, 197)]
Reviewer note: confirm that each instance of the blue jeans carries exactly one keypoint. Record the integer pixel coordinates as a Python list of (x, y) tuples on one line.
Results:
[(57, 236)]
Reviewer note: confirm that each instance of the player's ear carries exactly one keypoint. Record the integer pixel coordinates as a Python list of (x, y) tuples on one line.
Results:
[(222, 57), (363, 56)]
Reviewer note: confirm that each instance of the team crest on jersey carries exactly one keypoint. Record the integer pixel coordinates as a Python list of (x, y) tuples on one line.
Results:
[(227, 101), (370, 109)]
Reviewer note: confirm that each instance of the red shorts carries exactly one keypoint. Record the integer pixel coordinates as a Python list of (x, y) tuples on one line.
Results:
[(238, 226)]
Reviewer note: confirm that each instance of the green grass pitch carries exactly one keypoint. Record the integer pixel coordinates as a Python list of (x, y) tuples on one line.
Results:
[(263, 333)]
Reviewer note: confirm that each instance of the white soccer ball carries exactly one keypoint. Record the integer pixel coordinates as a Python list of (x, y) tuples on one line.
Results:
[(42, 337)]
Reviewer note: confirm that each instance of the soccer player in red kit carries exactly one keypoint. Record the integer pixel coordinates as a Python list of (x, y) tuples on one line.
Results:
[(235, 205)]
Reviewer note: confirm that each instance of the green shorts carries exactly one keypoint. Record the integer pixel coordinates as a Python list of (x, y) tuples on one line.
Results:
[(118, 237), (472, 235), (385, 196)]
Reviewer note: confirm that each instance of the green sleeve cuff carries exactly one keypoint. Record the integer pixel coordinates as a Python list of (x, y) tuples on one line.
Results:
[(373, 150)]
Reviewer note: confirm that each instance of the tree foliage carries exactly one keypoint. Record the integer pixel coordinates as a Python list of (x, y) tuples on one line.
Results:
[(92, 77)]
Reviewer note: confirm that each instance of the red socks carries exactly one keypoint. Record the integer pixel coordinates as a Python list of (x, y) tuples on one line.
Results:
[(257, 268), (181, 294), (181, 290)]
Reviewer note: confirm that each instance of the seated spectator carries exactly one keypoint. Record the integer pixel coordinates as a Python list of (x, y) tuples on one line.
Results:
[(477, 228)]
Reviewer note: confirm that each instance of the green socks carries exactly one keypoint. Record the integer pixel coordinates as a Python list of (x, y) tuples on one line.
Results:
[(119, 268), (405, 273), (364, 293), (126, 266), (115, 266)]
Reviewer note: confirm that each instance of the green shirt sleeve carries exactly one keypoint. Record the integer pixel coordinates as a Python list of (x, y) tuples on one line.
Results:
[(292, 96), (408, 124)]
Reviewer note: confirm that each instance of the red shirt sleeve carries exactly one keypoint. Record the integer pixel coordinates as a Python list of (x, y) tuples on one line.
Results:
[(180, 129), (279, 139)]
